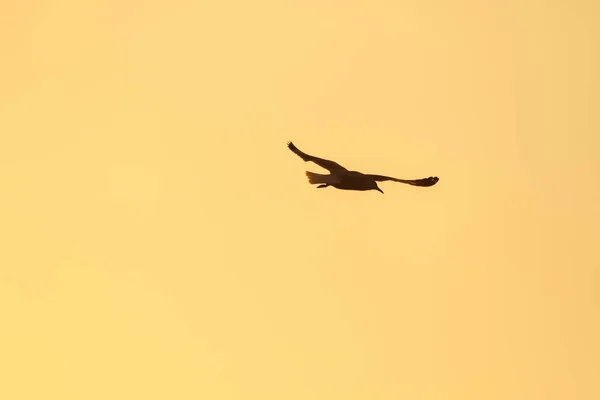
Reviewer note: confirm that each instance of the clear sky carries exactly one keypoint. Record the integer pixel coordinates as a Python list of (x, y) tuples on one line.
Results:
[(159, 241)]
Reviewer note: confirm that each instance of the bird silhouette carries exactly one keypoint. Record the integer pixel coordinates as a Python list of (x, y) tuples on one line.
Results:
[(341, 178)]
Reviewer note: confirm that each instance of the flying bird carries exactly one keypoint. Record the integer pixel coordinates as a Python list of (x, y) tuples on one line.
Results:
[(341, 178)]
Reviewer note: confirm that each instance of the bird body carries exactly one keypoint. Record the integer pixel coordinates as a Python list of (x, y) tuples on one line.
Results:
[(341, 178), (351, 180)]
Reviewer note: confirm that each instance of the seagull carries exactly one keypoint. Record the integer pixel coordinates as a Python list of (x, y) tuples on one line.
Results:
[(340, 178)]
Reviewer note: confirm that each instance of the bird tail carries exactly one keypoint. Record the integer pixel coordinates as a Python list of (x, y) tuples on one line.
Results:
[(318, 178)]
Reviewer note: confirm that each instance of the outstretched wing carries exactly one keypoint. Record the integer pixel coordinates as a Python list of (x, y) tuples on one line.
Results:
[(329, 165), (432, 180)]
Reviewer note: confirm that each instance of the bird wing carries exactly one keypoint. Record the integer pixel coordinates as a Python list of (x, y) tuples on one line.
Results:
[(333, 167), (432, 180)]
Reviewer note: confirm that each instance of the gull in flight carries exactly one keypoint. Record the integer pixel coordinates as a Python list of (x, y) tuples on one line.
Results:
[(340, 178)]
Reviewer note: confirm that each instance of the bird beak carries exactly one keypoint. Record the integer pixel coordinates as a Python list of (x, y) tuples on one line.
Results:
[(379, 190)]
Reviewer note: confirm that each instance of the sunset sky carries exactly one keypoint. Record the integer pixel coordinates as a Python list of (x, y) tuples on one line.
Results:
[(159, 241)]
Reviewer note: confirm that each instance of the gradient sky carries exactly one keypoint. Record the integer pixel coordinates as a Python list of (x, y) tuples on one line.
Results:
[(159, 241)]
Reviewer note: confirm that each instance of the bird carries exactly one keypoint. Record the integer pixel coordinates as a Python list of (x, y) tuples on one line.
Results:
[(341, 178)]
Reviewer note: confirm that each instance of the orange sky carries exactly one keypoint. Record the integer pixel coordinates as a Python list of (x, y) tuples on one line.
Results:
[(161, 242)]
